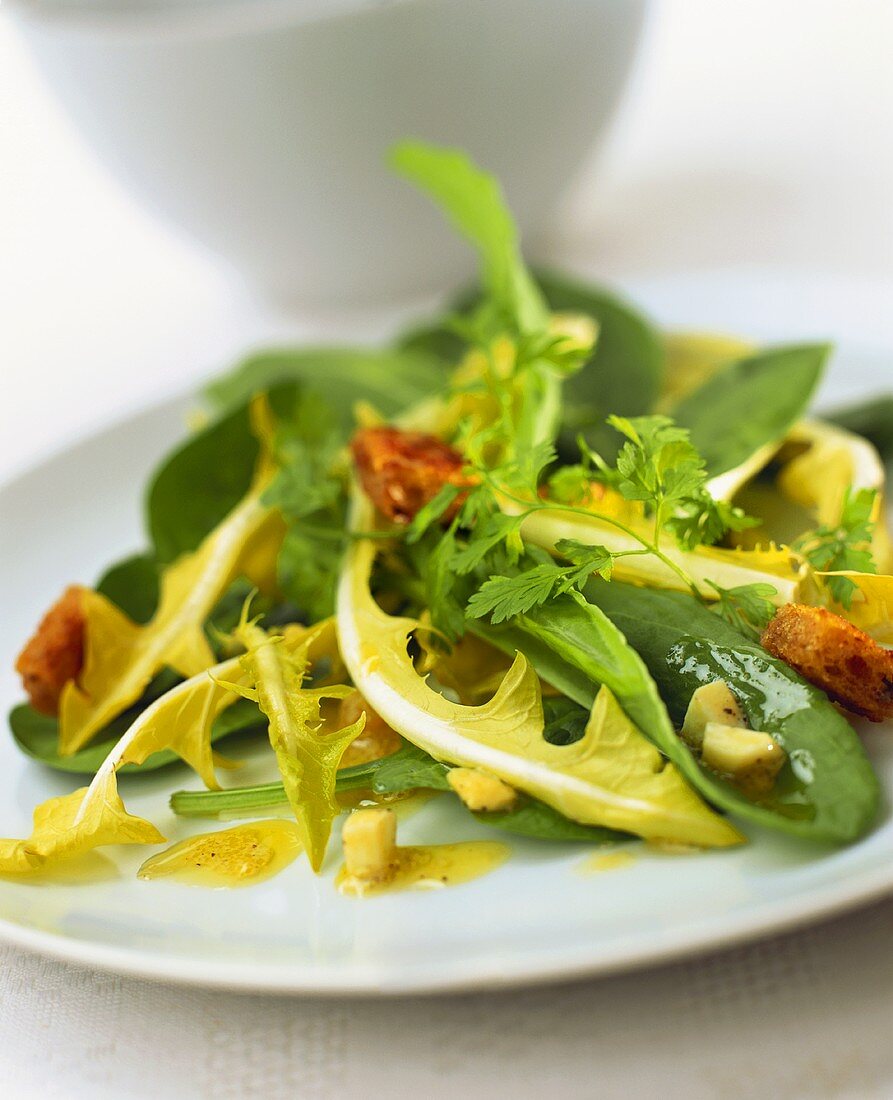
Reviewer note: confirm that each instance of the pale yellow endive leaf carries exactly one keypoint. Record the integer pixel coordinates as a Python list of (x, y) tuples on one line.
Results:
[(121, 657), (596, 781), (62, 832)]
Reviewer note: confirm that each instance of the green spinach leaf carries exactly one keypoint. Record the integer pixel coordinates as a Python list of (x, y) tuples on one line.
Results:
[(200, 483), (534, 819), (750, 402), (828, 789), (391, 379), (565, 720), (409, 769), (37, 735), (133, 584), (623, 374)]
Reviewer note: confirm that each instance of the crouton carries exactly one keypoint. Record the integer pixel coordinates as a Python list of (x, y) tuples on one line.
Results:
[(836, 656), (402, 471), (55, 654)]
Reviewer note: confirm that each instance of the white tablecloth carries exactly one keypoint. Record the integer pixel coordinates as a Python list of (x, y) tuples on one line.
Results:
[(804, 1015), (758, 134)]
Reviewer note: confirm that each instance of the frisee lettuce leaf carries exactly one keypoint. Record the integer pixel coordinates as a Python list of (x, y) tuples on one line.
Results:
[(180, 721), (121, 656), (505, 735), (307, 754), (73, 825)]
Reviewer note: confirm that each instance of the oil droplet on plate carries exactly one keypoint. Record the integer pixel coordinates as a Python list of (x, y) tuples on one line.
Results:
[(430, 867), (404, 803), (230, 857), (606, 861)]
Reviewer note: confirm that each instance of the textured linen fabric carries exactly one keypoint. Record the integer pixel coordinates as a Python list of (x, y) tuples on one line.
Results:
[(801, 1015)]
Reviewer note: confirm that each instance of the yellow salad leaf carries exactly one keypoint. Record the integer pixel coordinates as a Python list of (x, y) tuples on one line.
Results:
[(779, 566), (600, 783), (180, 720), (307, 754), (121, 657), (73, 825), (471, 667), (872, 604), (825, 462)]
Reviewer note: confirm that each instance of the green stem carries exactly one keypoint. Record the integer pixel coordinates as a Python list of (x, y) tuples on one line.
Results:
[(648, 547), (243, 799)]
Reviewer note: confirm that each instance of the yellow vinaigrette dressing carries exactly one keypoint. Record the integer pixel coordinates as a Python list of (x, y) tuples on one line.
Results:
[(606, 861), (241, 856), (430, 867)]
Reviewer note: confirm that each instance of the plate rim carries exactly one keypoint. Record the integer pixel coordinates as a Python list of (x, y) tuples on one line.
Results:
[(459, 973), (462, 975)]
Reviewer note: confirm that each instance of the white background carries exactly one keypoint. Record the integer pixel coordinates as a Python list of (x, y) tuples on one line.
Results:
[(757, 136)]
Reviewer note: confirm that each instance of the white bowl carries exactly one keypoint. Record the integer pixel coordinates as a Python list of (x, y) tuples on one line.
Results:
[(260, 126)]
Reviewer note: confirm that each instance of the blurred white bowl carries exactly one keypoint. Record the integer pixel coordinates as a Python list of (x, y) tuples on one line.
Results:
[(260, 126)]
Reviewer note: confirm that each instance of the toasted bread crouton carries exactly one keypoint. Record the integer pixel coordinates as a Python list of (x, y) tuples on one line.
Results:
[(402, 471), (836, 656), (55, 654)]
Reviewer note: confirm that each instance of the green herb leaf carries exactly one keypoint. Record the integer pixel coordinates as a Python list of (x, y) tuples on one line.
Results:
[(502, 598), (844, 547), (498, 529), (430, 513), (474, 203), (748, 607)]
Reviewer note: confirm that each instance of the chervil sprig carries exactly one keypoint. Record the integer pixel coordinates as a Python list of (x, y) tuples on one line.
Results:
[(657, 467), (846, 546), (502, 597), (747, 607)]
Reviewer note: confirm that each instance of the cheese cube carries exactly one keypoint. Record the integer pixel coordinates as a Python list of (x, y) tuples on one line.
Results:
[(751, 758), (369, 838), (711, 703), (480, 792)]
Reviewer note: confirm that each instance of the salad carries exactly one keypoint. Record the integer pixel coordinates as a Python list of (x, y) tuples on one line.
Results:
[(591, 581)]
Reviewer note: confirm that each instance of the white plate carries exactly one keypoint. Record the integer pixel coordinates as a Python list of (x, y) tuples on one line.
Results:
[(537, 918)]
